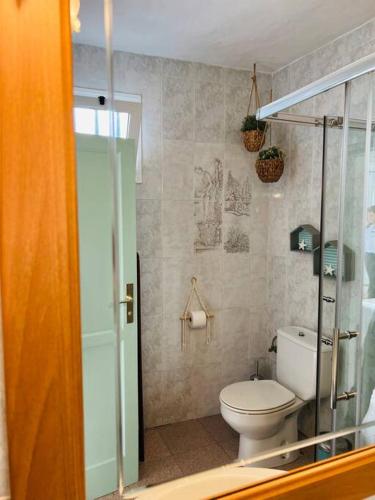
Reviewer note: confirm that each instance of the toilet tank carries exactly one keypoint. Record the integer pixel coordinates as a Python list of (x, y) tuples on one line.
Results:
[(296, 362)]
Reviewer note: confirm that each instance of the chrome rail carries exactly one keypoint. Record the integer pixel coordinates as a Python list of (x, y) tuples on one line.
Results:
[(346, 395), (345, 74), (335, 362)]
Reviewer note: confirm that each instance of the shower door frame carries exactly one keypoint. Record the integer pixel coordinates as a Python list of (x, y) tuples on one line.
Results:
[(341, 76)]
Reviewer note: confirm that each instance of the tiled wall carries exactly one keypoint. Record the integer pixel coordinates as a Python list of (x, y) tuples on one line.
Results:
[(187, 226), (192, 134)]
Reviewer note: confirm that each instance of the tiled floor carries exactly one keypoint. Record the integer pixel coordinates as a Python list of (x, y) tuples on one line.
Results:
[(184, 448), (177, 450), (306, 457)]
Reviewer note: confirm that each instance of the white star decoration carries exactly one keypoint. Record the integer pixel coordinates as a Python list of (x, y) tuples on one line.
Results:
[(302, 245), (329, 270)]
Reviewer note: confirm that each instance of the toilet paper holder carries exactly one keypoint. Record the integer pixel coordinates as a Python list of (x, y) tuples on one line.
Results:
[(185, 317)]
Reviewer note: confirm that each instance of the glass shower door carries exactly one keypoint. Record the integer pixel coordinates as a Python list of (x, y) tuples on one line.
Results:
[(353, 355)]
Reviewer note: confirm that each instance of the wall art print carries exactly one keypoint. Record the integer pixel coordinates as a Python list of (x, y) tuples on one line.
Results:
[(208, 205), (237, 195), (236, 241)]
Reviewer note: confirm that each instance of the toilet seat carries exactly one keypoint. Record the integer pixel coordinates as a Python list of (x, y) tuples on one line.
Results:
[(257, 397)]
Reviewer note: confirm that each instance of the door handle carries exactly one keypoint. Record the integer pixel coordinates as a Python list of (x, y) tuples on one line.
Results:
[(129, 301), (345, 396), (337, 336)]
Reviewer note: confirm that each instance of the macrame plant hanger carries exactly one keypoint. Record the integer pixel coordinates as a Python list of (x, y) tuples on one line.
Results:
[(269, 124), (254, 139), (254, 91)]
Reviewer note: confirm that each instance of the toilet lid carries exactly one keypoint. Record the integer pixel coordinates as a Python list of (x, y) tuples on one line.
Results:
[(257, 396)]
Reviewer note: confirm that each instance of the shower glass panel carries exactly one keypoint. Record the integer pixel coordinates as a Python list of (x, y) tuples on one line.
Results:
[(354, 337)]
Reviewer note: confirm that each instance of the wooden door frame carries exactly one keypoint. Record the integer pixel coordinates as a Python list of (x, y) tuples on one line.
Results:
[(351, 475), (39, 272)]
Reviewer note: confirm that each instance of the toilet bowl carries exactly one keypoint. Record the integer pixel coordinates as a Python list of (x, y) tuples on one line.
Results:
[(265, 412)]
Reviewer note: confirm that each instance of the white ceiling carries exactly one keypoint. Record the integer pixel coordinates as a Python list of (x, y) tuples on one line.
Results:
[(233, 33)]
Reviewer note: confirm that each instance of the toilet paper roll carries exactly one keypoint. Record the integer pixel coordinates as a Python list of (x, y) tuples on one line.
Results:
[(197, 319)]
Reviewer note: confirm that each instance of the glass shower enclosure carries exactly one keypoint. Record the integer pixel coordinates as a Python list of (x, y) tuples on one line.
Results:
[(353, 355), (345, 257)]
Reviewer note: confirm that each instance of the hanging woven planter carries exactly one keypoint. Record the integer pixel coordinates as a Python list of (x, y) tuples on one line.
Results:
[(253, 140), (270, 164), (253, 130)]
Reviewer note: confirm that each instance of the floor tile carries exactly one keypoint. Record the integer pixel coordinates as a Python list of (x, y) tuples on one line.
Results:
[(112, 496), (306, 456), (132, 492), (155, 448), (218, 429), (201, 459), (185, 436), (231, 447), (159, 471), (176, 450)]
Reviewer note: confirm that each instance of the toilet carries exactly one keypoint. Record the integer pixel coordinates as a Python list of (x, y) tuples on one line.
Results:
[(265, 412)]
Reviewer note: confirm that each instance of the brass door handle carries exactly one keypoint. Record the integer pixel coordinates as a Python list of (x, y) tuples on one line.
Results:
[(129, 301)]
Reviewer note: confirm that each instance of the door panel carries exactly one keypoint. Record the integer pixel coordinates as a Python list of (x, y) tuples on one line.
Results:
[(99, 355), (98, 325)]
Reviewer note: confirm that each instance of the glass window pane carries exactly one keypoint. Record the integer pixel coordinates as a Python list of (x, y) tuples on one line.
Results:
[(123, 125), (96, 122), (84, 120), (103, 122)]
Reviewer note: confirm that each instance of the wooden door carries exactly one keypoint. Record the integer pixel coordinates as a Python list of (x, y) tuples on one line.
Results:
[(39, 252)]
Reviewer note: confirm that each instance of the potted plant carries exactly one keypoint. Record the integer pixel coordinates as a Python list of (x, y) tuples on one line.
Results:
[(254, 132), (270, 164)]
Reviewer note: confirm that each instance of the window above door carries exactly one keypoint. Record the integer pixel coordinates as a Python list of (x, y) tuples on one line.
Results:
[(92, 116)]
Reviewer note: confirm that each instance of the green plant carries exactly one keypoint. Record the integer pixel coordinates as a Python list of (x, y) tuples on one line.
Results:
[(271, 153), (251, 123)]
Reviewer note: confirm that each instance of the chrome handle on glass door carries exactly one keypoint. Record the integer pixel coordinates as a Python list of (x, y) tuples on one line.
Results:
[(337, 336), (129, 301)]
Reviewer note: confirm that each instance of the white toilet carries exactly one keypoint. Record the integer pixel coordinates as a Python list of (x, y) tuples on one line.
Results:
[(264, 412)]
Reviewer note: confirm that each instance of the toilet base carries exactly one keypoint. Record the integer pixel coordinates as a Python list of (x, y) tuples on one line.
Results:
[(286, 435)]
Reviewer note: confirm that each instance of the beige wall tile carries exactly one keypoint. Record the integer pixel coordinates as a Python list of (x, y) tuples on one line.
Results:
[(178, 109)]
